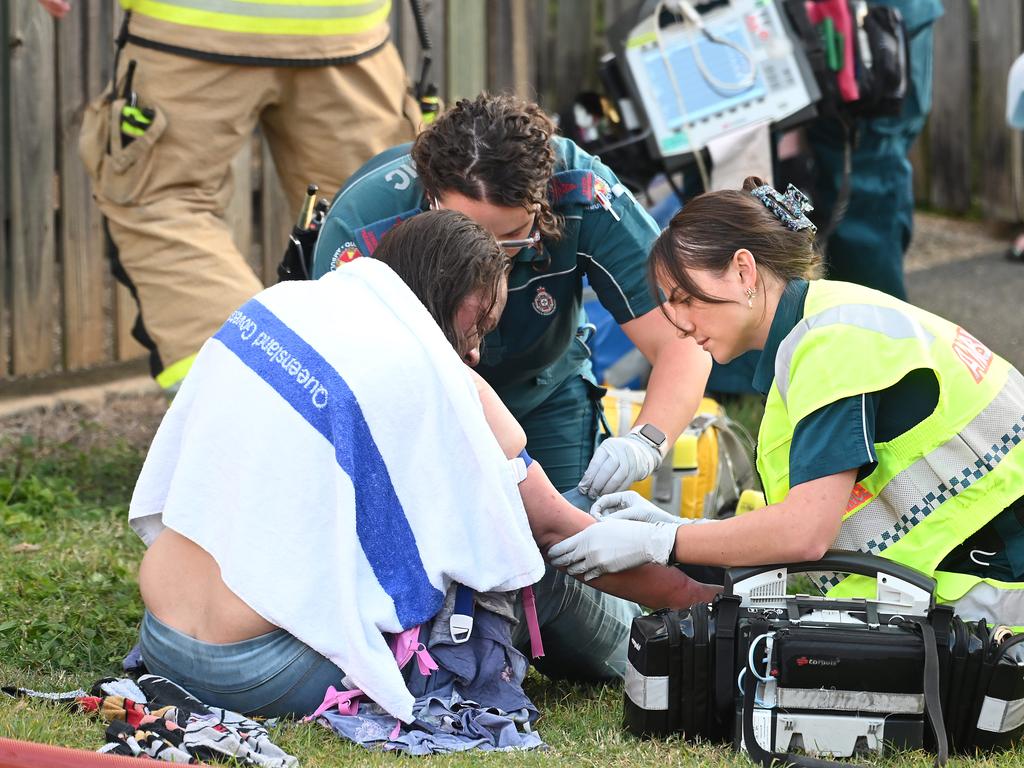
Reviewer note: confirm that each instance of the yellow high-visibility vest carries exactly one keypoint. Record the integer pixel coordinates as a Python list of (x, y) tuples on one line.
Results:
[(936, 484)]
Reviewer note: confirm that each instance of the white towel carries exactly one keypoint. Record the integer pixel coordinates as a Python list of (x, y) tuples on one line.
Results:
[(329, 450)]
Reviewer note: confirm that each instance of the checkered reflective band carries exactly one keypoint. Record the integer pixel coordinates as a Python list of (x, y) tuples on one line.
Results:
[(946, 472)]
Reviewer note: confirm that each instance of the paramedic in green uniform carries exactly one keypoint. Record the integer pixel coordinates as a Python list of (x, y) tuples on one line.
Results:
[(887, 429), (872, 235), (565, 216)]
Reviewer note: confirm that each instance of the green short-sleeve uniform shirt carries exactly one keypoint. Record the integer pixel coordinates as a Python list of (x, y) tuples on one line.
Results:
[(535, 348)]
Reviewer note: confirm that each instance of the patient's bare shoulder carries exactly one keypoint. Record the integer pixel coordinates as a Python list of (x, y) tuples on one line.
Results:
[(506, 429)]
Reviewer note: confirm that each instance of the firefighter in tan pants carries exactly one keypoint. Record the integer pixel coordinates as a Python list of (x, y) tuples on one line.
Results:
[(322, 81)]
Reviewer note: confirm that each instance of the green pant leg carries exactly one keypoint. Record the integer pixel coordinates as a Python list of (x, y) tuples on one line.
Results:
[(867, 245), (561, 431)]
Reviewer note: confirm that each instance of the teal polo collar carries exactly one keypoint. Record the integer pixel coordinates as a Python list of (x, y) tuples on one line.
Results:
[(788, 314)]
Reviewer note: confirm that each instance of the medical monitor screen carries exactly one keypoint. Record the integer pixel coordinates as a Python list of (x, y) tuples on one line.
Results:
[(700, 96)]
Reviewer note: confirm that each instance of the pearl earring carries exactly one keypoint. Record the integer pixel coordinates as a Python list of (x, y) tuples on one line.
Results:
[(751, 293)]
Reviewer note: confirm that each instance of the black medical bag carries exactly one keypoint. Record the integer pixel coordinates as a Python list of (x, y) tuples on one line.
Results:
[(777, 674)]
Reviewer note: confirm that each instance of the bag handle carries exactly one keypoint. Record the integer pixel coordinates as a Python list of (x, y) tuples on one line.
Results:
[(900, 588)]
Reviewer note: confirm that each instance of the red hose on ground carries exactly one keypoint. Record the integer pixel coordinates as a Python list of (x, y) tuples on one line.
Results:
[(26, 754)]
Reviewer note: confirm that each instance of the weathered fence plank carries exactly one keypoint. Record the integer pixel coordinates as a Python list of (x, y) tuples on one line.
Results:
[(1000, 30), (467, 58), (5, 210), (81, 227), (574, 53), (508, 47), (32, 141), (949, 134)]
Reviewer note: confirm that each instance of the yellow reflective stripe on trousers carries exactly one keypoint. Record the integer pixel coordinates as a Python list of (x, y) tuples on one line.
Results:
[(265, 17), (170, 378), (934, 479)]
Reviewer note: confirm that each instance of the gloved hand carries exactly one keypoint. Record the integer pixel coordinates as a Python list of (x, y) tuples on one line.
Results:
[(630, 505), (618, 463), (612, 546)]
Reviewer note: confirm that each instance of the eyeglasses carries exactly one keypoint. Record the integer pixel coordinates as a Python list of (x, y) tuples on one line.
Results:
[(530, 241), (512, 247)]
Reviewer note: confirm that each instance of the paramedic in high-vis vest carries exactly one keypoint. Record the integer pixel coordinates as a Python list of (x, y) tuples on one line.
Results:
[(563, 215), (887, 429), (193, 79)]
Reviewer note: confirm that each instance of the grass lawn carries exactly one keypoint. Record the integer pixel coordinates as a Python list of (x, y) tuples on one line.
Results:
[(69, 607)]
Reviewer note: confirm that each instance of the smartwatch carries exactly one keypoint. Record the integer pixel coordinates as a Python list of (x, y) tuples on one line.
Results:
[(651, 434)]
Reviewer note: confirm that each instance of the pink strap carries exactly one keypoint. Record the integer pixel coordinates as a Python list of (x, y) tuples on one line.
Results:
[(530, 610), (345, 701), (839, 12), (396, 730), (406, 645)]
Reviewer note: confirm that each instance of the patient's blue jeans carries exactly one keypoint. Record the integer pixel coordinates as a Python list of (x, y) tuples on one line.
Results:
[(585, 632), (272, 675)]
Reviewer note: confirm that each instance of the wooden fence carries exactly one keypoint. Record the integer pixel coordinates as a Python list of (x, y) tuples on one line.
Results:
[(60, 311)]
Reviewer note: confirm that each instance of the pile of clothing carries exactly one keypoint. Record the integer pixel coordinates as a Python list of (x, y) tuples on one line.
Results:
[(157, 719)]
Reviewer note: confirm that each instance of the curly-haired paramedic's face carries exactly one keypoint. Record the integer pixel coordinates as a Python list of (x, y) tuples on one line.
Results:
[(473, 321), (504, 222)]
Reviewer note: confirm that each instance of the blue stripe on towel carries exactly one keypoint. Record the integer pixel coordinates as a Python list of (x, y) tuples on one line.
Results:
[(321, 396)]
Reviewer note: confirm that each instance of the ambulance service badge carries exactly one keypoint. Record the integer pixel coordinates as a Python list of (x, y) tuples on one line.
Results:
[(543, 303)]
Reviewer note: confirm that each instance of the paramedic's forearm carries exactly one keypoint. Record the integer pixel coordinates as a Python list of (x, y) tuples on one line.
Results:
[(679, 373), (800, 528)]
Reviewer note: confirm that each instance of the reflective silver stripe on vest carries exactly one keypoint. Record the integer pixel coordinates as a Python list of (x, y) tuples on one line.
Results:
[(646, 692), (921, 488), (891, 322), (280, 11), (988, 602)]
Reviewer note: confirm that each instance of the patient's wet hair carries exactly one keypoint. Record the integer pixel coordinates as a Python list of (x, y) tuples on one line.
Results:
[(495, 148), (445, 257)]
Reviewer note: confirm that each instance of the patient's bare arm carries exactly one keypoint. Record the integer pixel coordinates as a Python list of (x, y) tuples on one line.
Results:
[(552, 519)]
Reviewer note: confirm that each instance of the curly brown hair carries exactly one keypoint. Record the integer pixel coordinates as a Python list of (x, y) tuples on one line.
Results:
[(444, 257), (710, 228), (494, 148)]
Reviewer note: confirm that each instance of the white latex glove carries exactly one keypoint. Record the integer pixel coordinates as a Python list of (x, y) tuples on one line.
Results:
[(618, 463), (630, 505), (612, 546)]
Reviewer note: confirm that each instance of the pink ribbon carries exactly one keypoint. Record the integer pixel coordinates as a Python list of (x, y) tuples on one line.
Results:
[(532, 624), (406, 645), (344, 700)]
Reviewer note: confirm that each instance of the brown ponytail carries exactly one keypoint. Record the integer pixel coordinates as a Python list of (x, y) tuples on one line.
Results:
[(710, 228)]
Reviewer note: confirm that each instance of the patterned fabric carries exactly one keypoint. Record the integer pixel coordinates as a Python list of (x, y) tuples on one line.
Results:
[(164, 722)]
